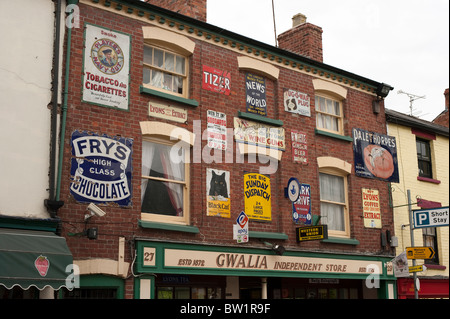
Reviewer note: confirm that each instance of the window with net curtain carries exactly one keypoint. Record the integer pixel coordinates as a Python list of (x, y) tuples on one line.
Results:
[(332, 201), (163, 179), (164, 70), (329, 114)]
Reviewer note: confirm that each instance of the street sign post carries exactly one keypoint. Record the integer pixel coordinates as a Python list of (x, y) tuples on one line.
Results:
[(433, 217), (419, 252), (311, 233)]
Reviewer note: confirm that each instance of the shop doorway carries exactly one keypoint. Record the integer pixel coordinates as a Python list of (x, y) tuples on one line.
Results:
[(250, 288)]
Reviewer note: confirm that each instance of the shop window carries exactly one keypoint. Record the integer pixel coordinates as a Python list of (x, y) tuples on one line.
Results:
[(424, 158), (189, 293), (165, 71), (334, 211)]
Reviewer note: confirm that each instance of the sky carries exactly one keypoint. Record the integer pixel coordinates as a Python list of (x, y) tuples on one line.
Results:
[(402, 43)]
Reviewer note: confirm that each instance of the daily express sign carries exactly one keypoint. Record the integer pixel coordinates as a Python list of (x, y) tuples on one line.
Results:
[(101, 169)]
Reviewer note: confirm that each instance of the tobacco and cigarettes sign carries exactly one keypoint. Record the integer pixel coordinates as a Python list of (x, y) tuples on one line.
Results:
[(106, 67)]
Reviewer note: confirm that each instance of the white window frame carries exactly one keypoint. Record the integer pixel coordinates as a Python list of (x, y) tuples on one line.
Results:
[(334, 92), (337, 167), (167, 134), (164, 71), (173, 43)]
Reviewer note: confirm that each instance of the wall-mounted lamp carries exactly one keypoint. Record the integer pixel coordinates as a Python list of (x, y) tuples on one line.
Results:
[(383, 90), (278, 249)]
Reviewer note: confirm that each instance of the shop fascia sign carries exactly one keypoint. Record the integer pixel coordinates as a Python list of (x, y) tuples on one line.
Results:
[(197, 259)]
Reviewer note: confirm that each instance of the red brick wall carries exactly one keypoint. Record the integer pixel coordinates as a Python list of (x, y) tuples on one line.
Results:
[(304, 39), (123, 221), (192, 8)]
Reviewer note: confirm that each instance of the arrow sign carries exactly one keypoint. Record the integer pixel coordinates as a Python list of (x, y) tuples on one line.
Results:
[(419, 252), (417, 268)]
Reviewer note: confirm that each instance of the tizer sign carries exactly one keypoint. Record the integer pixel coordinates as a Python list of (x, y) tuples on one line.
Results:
[(242, 228)]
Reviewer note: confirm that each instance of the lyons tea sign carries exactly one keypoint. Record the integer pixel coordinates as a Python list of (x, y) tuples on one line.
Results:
[(101, 169)]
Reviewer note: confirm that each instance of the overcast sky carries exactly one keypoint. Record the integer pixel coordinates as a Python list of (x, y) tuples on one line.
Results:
[(402, 43)]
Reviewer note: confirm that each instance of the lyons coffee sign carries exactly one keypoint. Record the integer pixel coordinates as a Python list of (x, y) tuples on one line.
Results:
[(101, 169)]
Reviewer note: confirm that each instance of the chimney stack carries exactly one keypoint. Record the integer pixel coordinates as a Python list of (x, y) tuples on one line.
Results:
[(303, 38), (192, 8), (446, 98), (442, 119)]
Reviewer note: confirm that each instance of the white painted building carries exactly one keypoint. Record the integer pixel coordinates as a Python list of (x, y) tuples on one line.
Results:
[(27, 32), (28, 228)]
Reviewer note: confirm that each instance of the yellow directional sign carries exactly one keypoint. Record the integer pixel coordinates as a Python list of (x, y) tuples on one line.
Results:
[(419, 252), (416, 268)]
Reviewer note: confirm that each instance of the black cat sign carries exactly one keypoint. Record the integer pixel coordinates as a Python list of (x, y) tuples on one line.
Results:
[(217, 193)]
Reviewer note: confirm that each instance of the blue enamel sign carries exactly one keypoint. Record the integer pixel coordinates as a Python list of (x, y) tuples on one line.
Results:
[(101, 168)]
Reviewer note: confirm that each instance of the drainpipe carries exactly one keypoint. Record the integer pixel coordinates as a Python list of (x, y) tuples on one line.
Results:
[(52, 203), (64, 107)]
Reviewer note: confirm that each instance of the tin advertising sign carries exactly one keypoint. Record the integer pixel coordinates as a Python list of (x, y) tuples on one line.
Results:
[(255, 88), (216, 80), (299, 147), (106, 67), (257, 196), (296, 102), (101, 168), (375, 155), (371, 208), (254, 133), (218, 193), (217, 130)]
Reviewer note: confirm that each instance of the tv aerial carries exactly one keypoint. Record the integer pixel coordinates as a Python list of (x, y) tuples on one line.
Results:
[(412, 98)]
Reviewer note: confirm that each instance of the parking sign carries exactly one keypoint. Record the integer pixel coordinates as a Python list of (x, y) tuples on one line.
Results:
[(433, 217)]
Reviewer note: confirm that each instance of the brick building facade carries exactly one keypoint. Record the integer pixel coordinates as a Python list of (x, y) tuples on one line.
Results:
[(168, 230)]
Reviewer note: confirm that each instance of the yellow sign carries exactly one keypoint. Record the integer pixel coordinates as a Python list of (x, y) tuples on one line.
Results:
[(416, 268), (217, 193), (257, 196), (419, 252), (371, 208)]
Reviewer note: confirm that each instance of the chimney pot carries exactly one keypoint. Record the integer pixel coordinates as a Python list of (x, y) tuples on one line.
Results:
[(298, 19)]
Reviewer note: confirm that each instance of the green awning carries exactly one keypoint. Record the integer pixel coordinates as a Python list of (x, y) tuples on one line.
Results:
[(33, 258)]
